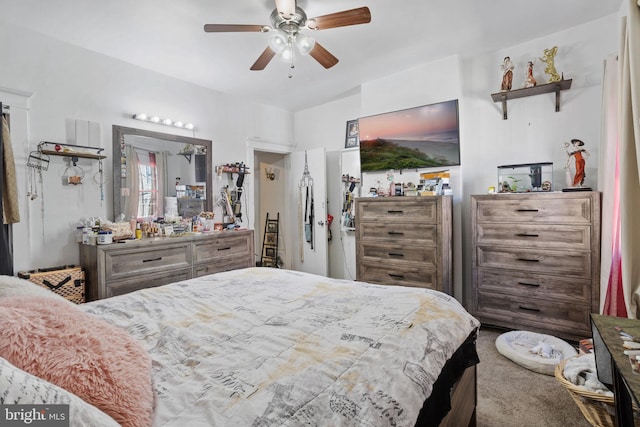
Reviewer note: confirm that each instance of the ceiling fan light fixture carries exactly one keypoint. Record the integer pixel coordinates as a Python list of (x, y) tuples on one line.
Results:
[(304, 43)]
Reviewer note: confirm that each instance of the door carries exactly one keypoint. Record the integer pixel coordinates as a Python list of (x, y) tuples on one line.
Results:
[(309, 248)]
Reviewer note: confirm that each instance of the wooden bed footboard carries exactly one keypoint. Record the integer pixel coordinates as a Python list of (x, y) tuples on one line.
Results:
[(464, 400)]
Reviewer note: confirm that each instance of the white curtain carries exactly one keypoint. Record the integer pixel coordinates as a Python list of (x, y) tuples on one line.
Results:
[(613, 301), (161, 170), (130, 200), (629, 58)]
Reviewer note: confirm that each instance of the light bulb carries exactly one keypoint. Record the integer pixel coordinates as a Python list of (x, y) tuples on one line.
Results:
[(167, 122), (141, 116), (155, 119), (189, 126), (278, 42), (287, 54), (178, 124), (304, 43)]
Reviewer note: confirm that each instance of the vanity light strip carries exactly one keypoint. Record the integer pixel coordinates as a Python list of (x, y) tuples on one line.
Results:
[(168, 122)]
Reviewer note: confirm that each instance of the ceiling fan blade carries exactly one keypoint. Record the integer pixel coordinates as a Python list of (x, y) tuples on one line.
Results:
[(323, 56), (232, 28), (286, 8), (263, 60), (361, 15)]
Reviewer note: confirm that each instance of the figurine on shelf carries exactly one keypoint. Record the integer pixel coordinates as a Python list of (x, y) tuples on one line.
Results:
[(507, 74), (549, 55), (576, 150), (530, 81)]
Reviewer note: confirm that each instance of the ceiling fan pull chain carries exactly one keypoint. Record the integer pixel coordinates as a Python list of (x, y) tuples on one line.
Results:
[(291, 64)]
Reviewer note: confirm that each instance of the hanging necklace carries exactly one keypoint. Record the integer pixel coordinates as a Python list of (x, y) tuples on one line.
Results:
[(100, 181)]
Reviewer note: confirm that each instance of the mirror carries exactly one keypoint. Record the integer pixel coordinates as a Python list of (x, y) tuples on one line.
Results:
[(170, 174)]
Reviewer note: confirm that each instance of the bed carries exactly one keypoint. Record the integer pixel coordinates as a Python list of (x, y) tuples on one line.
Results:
[(270, 347)]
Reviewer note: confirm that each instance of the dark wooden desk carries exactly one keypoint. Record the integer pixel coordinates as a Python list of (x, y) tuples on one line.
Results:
[(617, 370)]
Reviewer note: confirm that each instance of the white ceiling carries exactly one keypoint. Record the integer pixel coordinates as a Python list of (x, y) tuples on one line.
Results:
[(167, 36)]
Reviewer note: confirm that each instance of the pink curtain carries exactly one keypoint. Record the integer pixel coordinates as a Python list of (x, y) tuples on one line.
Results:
[(614, 304)]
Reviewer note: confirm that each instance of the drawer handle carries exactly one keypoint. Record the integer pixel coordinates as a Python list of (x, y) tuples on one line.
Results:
[(527, 235), (535, 285), (526, 210), (396, 233), (528, 260), (396, 276), (522, 307), (395, 254), (395, 211), (151, 260), (224, 249)]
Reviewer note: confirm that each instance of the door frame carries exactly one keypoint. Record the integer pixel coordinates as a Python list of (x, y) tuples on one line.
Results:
[(260, 145)]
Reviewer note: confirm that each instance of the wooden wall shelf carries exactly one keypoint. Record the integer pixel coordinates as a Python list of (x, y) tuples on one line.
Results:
[(73, 151), (531, 91)]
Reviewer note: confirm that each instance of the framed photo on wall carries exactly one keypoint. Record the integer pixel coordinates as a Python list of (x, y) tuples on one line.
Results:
[(353, 135)]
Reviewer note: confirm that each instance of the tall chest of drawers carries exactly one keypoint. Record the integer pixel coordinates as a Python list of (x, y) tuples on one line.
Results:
[(120, 268), (536, 261), (404, 241)]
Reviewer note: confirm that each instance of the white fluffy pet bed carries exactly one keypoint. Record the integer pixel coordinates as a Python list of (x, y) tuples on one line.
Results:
[(537, 352)]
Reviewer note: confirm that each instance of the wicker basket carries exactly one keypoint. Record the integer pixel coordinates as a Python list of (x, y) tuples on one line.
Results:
[(597, 408), (67, 281)]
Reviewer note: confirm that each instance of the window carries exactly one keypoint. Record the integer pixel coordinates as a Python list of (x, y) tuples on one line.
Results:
[(148, 184)]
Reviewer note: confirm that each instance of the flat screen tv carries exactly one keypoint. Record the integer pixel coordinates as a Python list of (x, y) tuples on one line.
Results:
[(418, 137)]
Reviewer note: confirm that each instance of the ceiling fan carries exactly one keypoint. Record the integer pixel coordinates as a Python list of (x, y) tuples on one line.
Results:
[(287, 21)]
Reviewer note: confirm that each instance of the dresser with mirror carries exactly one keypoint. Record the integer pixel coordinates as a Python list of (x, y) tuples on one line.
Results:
[(156, 173)]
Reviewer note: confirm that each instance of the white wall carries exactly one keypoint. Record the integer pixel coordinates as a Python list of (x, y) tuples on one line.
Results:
[(534, 131), (69, 83)]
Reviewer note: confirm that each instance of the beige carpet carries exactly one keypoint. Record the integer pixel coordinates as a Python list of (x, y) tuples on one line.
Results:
[(510, 395)]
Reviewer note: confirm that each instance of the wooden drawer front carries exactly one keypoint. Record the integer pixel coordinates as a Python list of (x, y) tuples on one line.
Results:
[(530, 285), (426, 255), (576, 237), (146, 281), (226, 264), (426, 233), (535, 209), (552, 262), (388, 274), (228, 246), (523, 312), (425, 210), (127, 263)]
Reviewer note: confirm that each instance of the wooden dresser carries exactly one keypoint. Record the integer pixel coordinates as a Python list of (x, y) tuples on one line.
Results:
[(536, 261), (404, 241), (119, 268)]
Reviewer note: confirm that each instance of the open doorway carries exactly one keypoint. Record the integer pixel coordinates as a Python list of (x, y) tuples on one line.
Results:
[(270, 199)]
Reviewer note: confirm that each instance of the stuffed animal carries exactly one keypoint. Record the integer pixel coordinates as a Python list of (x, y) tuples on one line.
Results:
[(543, 349)]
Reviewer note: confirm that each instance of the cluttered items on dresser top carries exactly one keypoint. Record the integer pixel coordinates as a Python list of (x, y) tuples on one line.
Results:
[(412, 183), (100, 231)]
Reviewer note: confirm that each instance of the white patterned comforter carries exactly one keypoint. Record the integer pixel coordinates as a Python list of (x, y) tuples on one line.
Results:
[(268, 347)]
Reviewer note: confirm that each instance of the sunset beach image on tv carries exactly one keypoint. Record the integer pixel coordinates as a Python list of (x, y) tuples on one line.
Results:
[(418, 137)]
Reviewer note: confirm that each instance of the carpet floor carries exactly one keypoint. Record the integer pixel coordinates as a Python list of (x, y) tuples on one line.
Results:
[(510, 395)]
